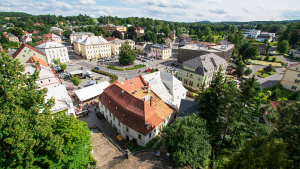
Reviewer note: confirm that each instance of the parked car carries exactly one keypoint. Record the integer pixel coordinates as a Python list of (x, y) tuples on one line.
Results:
[(97, 68), (71, 64), (144, 60), (147, 70), (99, 78)]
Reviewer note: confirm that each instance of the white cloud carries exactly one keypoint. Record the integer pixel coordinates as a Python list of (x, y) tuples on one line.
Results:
[(217, 11), (87, 2)]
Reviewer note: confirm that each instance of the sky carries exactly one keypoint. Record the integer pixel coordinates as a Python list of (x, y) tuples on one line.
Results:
[(169, 10)]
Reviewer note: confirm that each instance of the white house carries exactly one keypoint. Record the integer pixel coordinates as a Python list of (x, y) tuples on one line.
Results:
[(168, 87), (76, 35), (54, 50), (262, 37), (62, 100), (250, 33), (161, 51), (117, 43), (95, 47), (134, 110), (267, 33)]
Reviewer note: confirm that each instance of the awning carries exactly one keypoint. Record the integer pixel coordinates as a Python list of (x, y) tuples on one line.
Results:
[(91, 91), (120, 138)]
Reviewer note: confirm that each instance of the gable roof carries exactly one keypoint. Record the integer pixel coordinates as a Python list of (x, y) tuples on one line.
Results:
[(22, 47), (50, 44), (34, 60), (125, 100), (298, 63), (204, 64)]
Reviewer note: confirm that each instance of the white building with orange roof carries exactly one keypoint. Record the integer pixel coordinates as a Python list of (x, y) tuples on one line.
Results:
[(54, 50), (135, 110)]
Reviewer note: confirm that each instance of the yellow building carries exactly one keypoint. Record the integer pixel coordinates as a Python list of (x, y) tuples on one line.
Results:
[(111, 28), (291, 78), (95, 47)]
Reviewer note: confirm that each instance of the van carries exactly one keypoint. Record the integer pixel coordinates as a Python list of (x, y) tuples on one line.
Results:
[(89, 74)]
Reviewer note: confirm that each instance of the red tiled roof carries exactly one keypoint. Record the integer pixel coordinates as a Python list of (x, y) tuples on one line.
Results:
[(127, 106), (22, 47), (293, 65), (139, 28), (35, 32), (26, 32), (34, 60), (274, 104), (110, 38)]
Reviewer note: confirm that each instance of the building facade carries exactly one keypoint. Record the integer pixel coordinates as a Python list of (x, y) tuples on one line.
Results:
[(117, 43), (134, 110), (11, 37), (94, 47), (291, 78), (52, 37), (261, 38), (200, 70), (250, 33), (25, 52), (161, 51), (111, 28), (190, 51), (54, 50)]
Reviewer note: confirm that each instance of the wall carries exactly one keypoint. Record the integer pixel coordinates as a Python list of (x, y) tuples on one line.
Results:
[(289, 78), (28, 53), (55, 53)]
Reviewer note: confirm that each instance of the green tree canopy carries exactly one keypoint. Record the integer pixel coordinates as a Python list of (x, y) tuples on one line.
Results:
[(283, 47), (30, 136), (248, 51), (188, 141), (75, 80), (127, 55)]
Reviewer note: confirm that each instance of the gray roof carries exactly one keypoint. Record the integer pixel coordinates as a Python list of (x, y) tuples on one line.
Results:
[(148, 47), (263, 36), (204, 64), (160, 46), (188, 107), (224, 42), (12, 51)]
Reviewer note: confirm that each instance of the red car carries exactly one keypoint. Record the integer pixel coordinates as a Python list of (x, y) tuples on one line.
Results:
[(148, 70)]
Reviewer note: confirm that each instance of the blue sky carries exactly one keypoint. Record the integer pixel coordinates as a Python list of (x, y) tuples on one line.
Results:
[(171, 10)]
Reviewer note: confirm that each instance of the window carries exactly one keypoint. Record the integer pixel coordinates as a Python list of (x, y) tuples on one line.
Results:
[(24, 50), (49, 80), (297, 68), (41, 82), (149, 135), (23, 55), (298, 75), (127, 130), (140, 137), (154, 131), (294, 87), (119, 123), (297, 81)]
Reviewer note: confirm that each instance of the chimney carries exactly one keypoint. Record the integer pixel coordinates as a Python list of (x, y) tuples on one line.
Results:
[(90, 35), (37, 65), (126, 78), (151, 101)]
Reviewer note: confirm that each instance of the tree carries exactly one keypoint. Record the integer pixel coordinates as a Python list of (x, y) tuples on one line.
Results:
[(4, 39), (127, 55), (166, 30), (67, 33), (30, 136), (131, 33), (295, 38), (151, 36), (295, 96), (259, 152), (269, 68), (286, 120), (286, 35), (283, 47), (63, 66), (117, 34), (248, 51), (248, 72), (187, 140), (75, 80)]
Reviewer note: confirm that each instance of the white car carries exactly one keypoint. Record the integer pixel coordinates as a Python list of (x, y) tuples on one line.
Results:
[(89, 74)]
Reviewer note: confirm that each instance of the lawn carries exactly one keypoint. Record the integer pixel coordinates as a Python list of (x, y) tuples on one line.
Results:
[(135, 67), (114, 68), (277, 60), (265, 63), (282, 93), (262, 73)]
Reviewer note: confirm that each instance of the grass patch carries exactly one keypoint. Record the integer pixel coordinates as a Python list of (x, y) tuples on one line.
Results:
[(191, 90), (265, 63), (277, 60), (113, 76), (114, 68), (137, 147), (262, 73), (135, 67)]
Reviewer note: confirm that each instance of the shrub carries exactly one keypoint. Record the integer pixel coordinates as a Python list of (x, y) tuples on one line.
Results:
[(135, 67), (269, 68), (192, 94), (114, 68), (113, 76), (274, 59), (172, 64)]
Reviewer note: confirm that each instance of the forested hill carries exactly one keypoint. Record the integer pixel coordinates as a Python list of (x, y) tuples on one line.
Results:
[(14, 14)]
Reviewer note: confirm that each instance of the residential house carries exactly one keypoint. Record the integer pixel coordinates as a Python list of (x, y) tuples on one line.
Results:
[(192, 50), (171, 35), (92, 47), (54, 50), (168, 87), (291, 77), (117, 43), (56, 30), (7, 25), (161, 51), (76, 35), (111, 38), (27, 34), (47, 78), (267, 33), (63, 101), (135, 110), (143, 47), (262, 37), (26, 39), (252, 33), (261, 47), (25, 52), (11, 37), (35, 32), (139, 31), (52, 37), (200, 70), (168, 41)]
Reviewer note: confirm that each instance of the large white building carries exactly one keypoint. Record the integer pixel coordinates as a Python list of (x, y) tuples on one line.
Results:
[(117, 43), (161, 51), (54, 50), (135, 110), (76, 35), (252, 33), (94, 47), (168, 87)]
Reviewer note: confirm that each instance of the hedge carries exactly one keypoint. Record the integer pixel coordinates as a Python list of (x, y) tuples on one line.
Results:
[(114, 77), (135, 67), (114, 68)]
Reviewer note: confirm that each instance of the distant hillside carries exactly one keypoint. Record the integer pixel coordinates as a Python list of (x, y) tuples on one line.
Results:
[(14, 14)]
